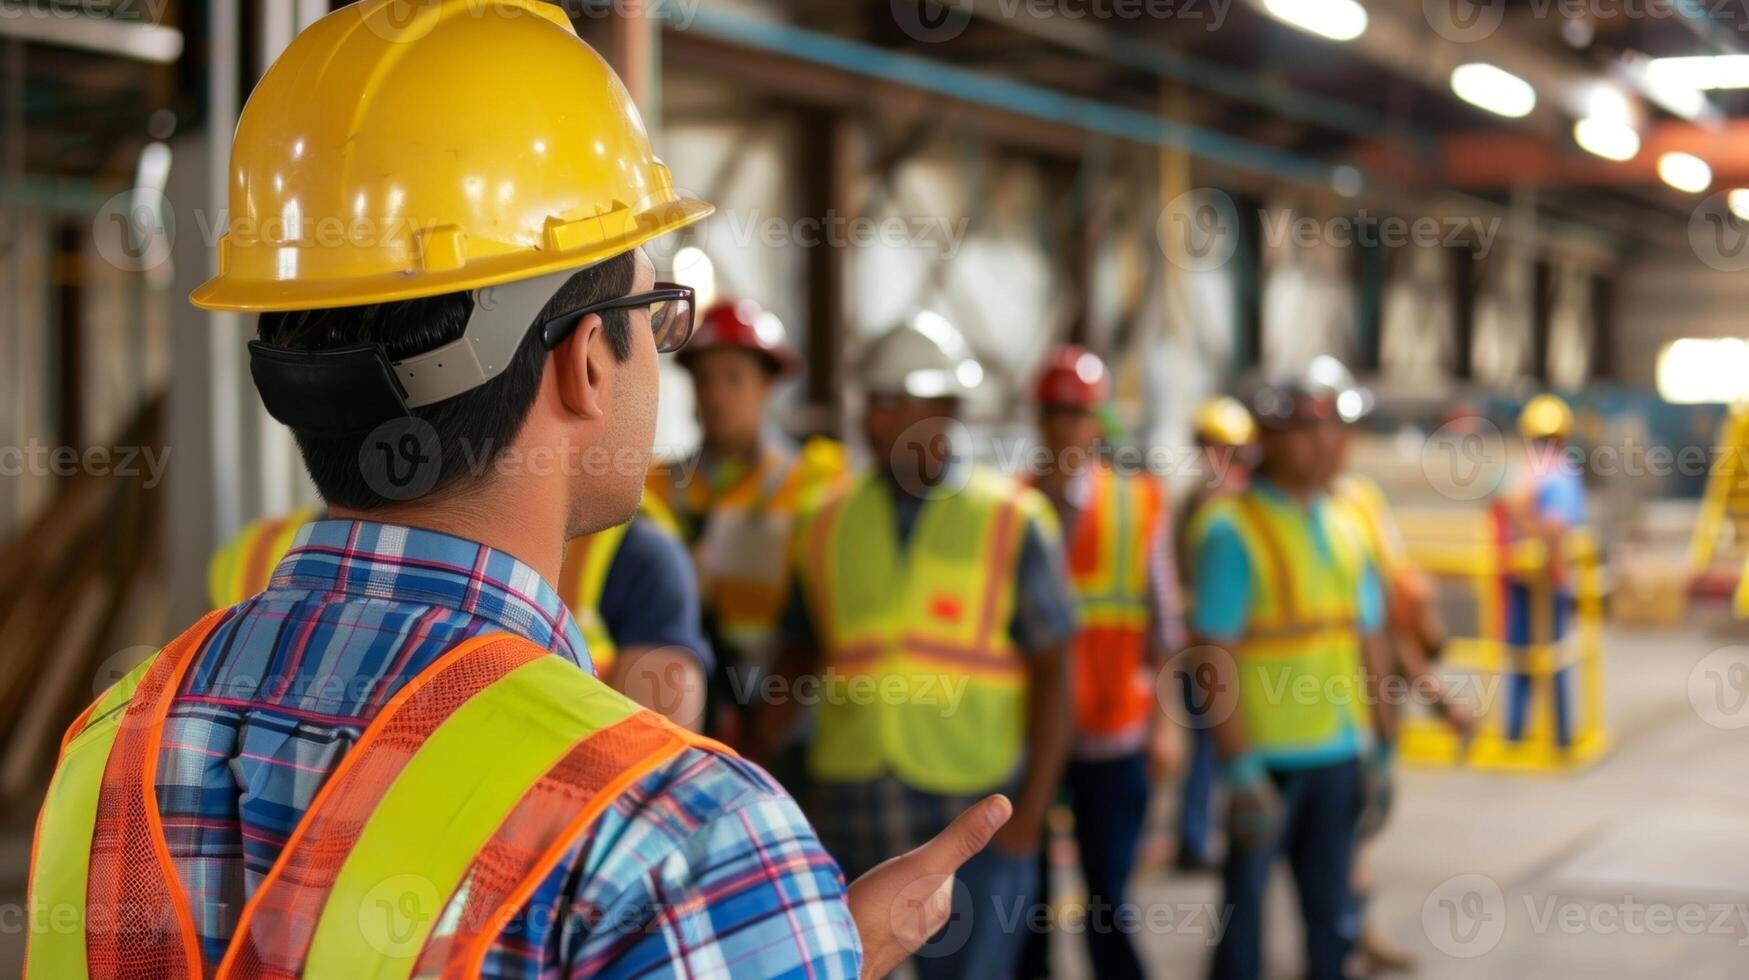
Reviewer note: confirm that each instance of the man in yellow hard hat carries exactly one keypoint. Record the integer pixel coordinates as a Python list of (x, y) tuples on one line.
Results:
[(736, 497), (630, 588), (1225, 438), (1288, 604), (1543, 501), (928, 628), (396, 760)]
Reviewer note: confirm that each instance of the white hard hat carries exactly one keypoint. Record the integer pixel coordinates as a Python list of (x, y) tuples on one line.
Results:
[(924, 358)]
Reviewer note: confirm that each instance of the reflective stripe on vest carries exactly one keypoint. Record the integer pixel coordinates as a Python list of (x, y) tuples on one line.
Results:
[(1299, 663), (921, 676), (459, 798), (1108, 568)]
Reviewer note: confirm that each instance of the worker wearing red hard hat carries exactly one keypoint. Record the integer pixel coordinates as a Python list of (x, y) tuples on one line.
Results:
[(735, 498), (1120, 567)]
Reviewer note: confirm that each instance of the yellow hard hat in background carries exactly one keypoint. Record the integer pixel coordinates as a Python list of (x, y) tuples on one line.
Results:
[(1545, 417), (390, 154), (1224, 421)]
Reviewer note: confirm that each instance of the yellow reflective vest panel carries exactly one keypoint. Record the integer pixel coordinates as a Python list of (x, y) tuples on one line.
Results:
[(1299, 664), (921, 678)]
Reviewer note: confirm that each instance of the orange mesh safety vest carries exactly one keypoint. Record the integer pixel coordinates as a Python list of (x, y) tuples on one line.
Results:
[(1108, 568), (431, 834)]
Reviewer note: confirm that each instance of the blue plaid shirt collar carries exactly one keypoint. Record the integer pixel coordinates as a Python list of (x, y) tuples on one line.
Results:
[(397, 563)]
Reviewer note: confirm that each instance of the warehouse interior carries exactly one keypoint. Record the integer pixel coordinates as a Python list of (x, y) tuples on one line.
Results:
[(1470, 204)]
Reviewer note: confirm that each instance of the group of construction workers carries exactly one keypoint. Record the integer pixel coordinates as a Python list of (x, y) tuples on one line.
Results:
[(509, 726)]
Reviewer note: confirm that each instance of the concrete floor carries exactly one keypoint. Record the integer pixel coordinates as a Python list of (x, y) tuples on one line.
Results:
[(1636, 867)]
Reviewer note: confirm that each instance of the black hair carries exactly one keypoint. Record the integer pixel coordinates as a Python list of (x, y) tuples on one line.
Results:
[(472, 428)]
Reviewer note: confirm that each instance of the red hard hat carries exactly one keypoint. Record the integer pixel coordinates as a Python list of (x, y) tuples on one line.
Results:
[(743, 323), (1073, 377)]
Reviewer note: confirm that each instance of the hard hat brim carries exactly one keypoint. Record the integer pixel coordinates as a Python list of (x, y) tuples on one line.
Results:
[(230, 293)]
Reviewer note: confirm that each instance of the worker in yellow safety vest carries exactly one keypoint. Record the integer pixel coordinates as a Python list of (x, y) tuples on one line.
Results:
[(736, 497), (1289, 605), (397, 760), (1226, 449), (630, 588), (1415, 630), (1120, 569), (928, 628)]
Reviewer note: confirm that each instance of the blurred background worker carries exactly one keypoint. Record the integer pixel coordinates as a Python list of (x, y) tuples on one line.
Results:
[(1543, 501), (630, 588), (1226, 444), (1284, 587), (1121, 570), (1415, 633), (737, 496), (931, 622)]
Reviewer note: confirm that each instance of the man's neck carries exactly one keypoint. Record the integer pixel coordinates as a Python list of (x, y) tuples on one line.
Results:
[(521, 531), (723, 450), (1301, 492)]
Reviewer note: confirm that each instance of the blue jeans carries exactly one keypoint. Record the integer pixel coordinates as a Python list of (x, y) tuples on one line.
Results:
[(1110, 798), (1197, 798), (1520, 629), (1322, 806), (992, 902)]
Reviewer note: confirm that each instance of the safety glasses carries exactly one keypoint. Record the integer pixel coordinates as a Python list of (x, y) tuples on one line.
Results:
[(670, 306)]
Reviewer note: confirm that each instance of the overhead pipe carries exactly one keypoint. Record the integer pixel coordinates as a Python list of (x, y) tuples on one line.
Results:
[(1019, 98)]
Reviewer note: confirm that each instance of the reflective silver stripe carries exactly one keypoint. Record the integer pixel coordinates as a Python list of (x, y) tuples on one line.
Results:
[(499, 320)]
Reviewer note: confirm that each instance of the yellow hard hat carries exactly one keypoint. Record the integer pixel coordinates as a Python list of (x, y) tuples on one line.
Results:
[(1224, 421), (390, 154), (1545, 417)]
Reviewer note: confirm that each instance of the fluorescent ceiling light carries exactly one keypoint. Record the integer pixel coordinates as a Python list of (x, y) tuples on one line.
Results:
[(1707, 71), (1696, 370), (1338, 20), (1685, 172), (1494, 89), (1606, 138), (1738, 202)]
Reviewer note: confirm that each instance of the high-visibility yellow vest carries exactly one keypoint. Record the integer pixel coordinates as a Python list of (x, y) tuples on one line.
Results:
[(244, 567), (920, 676), (1299, 663), (739, 534), (1108, 569), (1363, 503), (456, 802)]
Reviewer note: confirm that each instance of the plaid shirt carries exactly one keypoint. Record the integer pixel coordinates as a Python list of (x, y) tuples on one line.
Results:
[(704, 867)]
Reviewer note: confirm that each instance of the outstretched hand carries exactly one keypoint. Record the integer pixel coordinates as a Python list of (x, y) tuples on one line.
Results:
[(904, 900)]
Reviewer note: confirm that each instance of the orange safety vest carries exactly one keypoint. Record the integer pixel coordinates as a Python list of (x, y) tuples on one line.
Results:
[(740, 534), (1108, 569), (459, 797)]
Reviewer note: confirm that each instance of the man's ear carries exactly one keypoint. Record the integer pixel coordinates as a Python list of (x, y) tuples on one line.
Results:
[(583, 361)]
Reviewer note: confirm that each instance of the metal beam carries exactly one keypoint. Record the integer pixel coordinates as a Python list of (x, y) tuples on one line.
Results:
[(1500, 158), (1019, 99)]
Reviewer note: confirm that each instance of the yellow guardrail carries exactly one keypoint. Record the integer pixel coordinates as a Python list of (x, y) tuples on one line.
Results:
[(1459, 550)]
